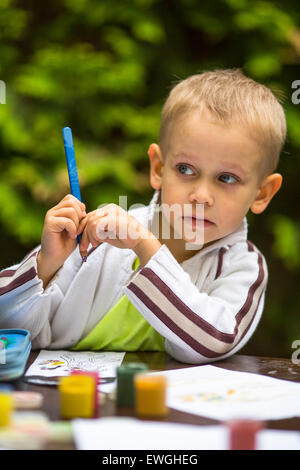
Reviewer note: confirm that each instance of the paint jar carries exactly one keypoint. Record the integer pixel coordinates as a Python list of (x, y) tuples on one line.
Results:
[(77, 396), (6, 408), (242, 433), (150, 395), (95, 376), (125, 384)]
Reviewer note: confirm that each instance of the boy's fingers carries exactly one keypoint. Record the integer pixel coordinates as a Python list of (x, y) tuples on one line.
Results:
[(72, 201), (63, 223), (82, 225), (101, 226), (84, 242), (68, 212), (86, 239)]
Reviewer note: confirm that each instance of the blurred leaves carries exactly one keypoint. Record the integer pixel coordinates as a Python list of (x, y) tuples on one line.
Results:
[(287, 240)]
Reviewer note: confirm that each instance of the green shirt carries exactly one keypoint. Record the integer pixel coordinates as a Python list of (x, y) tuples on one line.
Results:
[(123, 329)]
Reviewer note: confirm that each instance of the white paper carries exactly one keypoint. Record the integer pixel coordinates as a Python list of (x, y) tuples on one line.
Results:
[(62, 363), (222, 394), (132, 434)]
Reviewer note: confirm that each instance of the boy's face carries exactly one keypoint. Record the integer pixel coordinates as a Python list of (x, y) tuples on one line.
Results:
[(214, 165)]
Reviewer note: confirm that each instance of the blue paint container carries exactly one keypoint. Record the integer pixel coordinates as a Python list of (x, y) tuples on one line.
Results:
[(15, 347)]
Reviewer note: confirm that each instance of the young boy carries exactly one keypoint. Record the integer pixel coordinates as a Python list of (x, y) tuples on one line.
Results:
[(199, 290)]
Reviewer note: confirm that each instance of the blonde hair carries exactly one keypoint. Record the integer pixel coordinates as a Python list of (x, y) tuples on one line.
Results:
[(231, 98)]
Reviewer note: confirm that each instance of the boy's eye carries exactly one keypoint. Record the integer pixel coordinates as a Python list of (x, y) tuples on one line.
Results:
[(228, 179), (184, 169)]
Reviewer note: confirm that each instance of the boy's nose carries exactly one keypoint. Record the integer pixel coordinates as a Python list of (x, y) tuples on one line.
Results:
[(202, 194)]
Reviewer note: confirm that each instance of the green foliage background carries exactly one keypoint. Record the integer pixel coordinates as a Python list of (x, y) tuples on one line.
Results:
[(104, 67)]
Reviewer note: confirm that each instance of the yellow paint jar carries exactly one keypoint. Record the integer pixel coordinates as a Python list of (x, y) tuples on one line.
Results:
[(150, 395), (77, 396), (6, 408)]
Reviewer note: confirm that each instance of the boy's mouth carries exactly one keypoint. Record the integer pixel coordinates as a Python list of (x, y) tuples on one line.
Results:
[(196, 220)]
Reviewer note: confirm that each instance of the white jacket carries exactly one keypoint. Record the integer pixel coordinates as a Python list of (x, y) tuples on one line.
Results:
[(207, 307)]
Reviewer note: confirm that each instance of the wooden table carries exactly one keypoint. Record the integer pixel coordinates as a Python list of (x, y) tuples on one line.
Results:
[(271, 367)]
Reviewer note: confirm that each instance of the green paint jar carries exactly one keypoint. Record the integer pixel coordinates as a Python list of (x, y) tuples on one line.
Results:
[(125, 382)]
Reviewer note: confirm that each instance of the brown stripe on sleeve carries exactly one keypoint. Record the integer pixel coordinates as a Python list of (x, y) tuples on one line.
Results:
[(250, 246), (22, 279), (253, 289), (213, 339), (182, 308), (250, 323), (11, 272), (12, 278), (194, 344), (8, 273)]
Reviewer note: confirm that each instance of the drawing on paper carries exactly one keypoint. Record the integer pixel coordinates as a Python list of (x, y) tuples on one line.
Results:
[(51, 364), (60, 363), (241, 393), (70, 362)]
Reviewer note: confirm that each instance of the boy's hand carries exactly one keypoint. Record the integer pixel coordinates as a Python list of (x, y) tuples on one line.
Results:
[(114, 225), (61, 226)]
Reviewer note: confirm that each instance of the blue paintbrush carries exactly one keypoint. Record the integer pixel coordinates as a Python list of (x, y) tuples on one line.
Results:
[(72, 168)]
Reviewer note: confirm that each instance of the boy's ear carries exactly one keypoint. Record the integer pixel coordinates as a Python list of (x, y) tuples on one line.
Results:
[(156, 166), (269, 187)]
